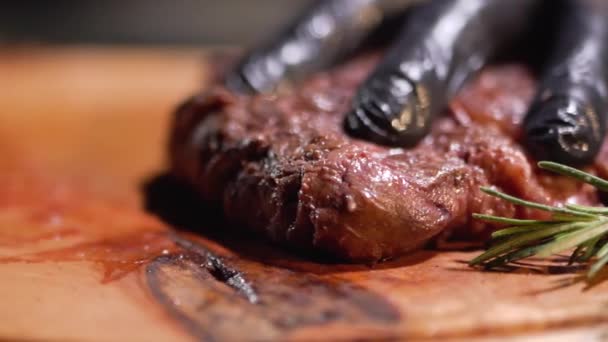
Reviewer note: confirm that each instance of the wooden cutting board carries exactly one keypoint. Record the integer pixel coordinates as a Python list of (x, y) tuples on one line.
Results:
[(82, 134)]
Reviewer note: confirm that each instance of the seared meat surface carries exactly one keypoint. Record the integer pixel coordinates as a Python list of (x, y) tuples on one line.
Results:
[(281, 165)]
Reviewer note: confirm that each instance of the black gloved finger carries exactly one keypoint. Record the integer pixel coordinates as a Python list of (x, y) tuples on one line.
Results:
[(567, 120), (443, 43), (327, 31)]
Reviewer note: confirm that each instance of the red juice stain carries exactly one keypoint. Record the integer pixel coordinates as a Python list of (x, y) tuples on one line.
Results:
[(75, 223), (118, 256)]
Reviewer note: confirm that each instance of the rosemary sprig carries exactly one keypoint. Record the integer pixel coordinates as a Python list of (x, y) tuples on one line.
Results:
[(582, 228)]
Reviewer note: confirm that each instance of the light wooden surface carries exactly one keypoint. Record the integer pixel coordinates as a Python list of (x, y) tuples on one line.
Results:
[(82, 128)]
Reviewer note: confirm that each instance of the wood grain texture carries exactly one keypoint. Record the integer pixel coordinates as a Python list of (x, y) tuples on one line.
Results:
[(81, 129)]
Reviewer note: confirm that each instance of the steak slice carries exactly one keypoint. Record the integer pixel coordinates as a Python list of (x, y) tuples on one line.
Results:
[(282, 166)]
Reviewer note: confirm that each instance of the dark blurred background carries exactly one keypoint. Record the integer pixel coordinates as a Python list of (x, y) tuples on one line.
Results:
[(147, 22)]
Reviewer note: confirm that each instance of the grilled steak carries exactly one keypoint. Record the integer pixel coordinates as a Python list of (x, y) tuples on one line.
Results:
[(282, 166)]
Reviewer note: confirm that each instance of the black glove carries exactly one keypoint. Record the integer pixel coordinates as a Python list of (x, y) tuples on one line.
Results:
[(441, 44)]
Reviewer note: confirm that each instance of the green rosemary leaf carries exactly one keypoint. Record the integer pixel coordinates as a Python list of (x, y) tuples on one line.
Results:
[(603, 251), (574, 239), (590, 249), (576, 254), (506, 220), (597, 266), (589, 210), (581, 227), (520, 229), (597, 182), (570, 218), (524, 239), (534, 205), (512, 256)]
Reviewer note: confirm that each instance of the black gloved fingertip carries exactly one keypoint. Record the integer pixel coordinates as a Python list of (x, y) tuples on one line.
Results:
[(357, 125), (563, 130)]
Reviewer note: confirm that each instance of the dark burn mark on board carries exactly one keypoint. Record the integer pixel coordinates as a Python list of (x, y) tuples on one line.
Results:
[(231, 277), (219, 270), (215, 299)]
